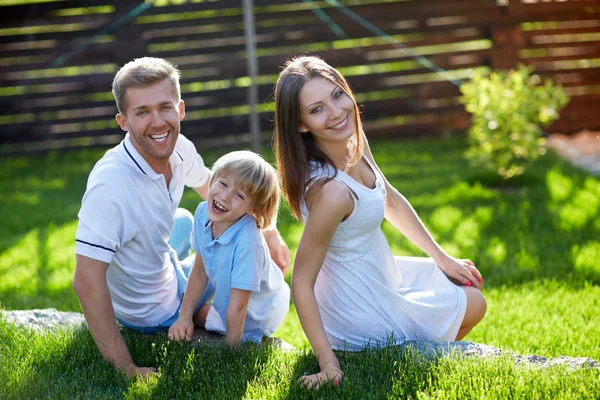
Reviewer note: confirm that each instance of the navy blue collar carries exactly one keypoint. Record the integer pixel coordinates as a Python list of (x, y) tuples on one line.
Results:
[(141, 163)]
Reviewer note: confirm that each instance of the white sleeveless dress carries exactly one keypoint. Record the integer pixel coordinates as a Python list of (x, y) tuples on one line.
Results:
[(369, 298)]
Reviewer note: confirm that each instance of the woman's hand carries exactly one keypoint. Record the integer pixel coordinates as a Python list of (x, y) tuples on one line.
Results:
[(330, 371), (181, 330), (463, 271)]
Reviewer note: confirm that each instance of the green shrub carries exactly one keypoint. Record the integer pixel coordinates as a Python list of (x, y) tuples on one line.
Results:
[(509, 112)]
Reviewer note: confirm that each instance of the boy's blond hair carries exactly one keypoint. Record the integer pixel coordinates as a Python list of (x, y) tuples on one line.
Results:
[(142, 72), (259, 180)]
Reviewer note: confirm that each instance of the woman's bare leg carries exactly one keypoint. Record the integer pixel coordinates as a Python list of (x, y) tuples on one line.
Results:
[(476, 307)]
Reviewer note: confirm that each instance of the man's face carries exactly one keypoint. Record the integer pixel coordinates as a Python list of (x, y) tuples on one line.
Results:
[(152, 119)]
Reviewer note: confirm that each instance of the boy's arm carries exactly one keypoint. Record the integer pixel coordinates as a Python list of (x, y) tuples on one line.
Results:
[(183, 328), (236, 315)]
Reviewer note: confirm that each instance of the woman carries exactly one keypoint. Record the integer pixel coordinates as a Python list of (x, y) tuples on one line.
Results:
[(349, 290)]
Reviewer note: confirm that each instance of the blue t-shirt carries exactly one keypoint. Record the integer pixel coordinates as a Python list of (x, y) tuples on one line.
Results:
[(239, 259)]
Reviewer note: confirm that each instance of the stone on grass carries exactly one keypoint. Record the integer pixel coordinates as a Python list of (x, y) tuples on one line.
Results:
[(51, 319), (44, 319), (434, 350)]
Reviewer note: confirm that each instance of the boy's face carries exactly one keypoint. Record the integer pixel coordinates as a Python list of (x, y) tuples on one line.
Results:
[(152, 119), (227, 201)]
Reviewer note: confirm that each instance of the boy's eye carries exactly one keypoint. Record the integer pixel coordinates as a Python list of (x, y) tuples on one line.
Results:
[(223, 183), (240, 196)]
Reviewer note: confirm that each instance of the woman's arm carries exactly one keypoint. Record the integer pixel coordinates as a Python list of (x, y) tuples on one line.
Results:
[(328, 205), (183, 328), (236, 315), (400, 213)]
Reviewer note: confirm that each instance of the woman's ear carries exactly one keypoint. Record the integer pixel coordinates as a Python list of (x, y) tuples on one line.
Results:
[(303, 128)]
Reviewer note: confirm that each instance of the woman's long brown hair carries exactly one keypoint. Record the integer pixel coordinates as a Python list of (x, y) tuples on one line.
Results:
[(295, 150)]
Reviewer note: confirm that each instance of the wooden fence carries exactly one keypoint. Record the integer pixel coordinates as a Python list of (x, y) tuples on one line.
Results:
[(58, 58)]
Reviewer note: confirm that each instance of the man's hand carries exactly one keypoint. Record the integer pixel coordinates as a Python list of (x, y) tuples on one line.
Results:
[(280, 253), (143, 373)]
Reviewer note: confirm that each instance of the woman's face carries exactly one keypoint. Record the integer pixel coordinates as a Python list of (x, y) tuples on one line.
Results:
[(326, 111)]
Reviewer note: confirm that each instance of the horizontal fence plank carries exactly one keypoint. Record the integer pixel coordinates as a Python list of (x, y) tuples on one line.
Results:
[(55, 80)]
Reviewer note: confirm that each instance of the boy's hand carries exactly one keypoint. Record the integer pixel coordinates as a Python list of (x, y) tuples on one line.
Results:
[(181, 330)]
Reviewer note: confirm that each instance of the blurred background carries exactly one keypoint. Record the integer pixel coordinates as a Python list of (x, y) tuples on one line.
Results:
[(404, 58)]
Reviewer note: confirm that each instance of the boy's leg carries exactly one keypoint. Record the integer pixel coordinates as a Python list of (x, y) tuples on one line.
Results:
[(182, 232)]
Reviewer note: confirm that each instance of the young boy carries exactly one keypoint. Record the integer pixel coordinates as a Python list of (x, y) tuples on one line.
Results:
[(251, 298)]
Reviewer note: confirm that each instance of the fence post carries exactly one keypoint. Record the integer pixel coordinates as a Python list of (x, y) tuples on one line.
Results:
[(252, 64), (507, 39), (128, 42)]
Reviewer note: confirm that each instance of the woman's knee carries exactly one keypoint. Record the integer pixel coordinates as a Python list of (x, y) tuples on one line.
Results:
[(476, 305)]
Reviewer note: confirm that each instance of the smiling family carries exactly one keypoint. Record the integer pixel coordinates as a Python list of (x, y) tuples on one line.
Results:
[(133, 242)]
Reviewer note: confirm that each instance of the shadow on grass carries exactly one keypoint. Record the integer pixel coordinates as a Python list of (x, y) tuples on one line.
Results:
[(376, 373), (68, 365)]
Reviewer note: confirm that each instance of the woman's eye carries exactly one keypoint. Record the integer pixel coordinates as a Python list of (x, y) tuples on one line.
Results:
[(338, 94), (315, 110)]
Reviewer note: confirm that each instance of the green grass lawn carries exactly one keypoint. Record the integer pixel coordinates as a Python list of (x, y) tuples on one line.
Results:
[(537, 244)]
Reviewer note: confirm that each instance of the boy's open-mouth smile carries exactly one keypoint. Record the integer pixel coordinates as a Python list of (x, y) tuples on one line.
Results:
[(218, 207)]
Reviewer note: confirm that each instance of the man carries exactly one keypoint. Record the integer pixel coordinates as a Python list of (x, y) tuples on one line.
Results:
[(132, 239)]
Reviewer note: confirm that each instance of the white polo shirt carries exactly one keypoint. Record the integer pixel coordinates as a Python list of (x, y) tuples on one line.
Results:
[(126, 219)]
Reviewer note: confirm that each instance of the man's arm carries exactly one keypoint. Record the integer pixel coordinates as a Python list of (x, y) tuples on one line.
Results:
[(280, 253), (203, 190), (91, 288)]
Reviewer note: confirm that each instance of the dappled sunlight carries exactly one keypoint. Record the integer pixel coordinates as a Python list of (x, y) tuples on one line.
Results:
[(467, 235), (539, 317), (496, 250), (574, 205), (527, 260), (39, 266), (457, 193), (23, 198), (139, 388), (586, 259), (443, 219), (559, 185)]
